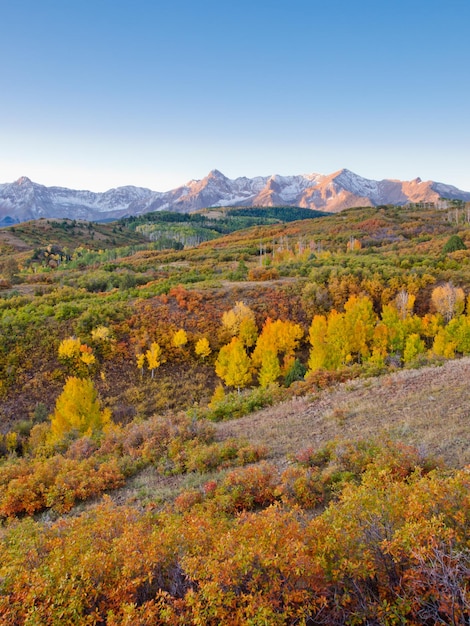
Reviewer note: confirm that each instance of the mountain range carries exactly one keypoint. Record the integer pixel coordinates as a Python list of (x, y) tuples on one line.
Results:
[(24, 200)]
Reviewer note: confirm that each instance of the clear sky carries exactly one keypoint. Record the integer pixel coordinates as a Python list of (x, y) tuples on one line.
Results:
[(97, 94)]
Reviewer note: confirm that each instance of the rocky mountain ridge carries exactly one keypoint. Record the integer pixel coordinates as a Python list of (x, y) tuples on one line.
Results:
[(24, 200)]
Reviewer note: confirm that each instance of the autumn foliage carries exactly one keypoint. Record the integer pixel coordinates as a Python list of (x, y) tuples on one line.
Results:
[(122, 504), (391, 545)]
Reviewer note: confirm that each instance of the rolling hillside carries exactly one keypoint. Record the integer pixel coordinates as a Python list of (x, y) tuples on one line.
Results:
[(269, 426)]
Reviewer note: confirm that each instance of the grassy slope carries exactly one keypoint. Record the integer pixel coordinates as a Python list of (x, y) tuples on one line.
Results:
[(428, 408), (65, 233), (391, 233)]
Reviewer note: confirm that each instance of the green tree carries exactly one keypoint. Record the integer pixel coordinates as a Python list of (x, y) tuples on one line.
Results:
[(453, 243)]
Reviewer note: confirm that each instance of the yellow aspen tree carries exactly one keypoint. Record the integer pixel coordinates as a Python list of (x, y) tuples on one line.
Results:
[(379, 344), (444, 345), (264, 342), (395, 327), (448, 300), (248, 331), (140, 360), (69, 349), (414, 346), (101, 333), (202, 348), (282, 337), (78, 409), (338, 341), (287, 335), (154, 357), (413, 324), (270, 369), (233, 365), (404, 302), (103, 341), (240, 322), (217, 397), (374, 288), (180, 338), (319, 349), (360, 320), (11, 441), (455, 337), (461, 332), (75, 354), (431, 323)]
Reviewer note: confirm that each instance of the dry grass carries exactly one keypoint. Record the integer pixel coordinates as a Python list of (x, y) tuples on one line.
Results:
[(429, 408)]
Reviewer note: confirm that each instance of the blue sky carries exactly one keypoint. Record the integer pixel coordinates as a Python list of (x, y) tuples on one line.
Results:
[(98, 94)]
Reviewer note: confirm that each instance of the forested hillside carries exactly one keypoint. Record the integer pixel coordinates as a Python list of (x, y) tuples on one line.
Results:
[(129, 351)]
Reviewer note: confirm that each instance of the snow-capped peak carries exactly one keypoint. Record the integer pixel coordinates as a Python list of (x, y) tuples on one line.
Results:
[(24, 199)]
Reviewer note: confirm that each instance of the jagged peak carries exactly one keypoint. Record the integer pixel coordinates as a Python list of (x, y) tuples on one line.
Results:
[(24, 180), (216, 174), (345, 173), (25, 199)]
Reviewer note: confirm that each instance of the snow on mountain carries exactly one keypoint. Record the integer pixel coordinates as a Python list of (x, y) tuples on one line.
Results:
[(24, 200)]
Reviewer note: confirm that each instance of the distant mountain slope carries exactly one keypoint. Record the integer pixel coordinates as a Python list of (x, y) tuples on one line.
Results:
[(24, 200)]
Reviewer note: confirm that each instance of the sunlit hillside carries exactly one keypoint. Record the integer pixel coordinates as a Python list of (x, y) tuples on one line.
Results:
[(235, 418)]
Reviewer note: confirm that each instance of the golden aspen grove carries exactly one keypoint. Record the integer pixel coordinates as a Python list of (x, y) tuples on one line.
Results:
[(267, 428)]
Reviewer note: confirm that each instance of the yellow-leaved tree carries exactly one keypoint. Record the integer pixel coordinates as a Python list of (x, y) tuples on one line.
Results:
[(78, 410), (202, 348), (102, 341), (233, 365), (154, 357), (240, 322), (69, 349), (317, 337), (101, 333), (360, 321), (77, 356), (448, 300), (280, 337), (180, 338), (140, 361), (270, 369)]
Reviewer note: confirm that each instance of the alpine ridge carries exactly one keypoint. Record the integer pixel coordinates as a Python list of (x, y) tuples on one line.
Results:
[(24, 200)]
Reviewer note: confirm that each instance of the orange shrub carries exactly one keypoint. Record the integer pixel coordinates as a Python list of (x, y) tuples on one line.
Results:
[(263, 273)]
